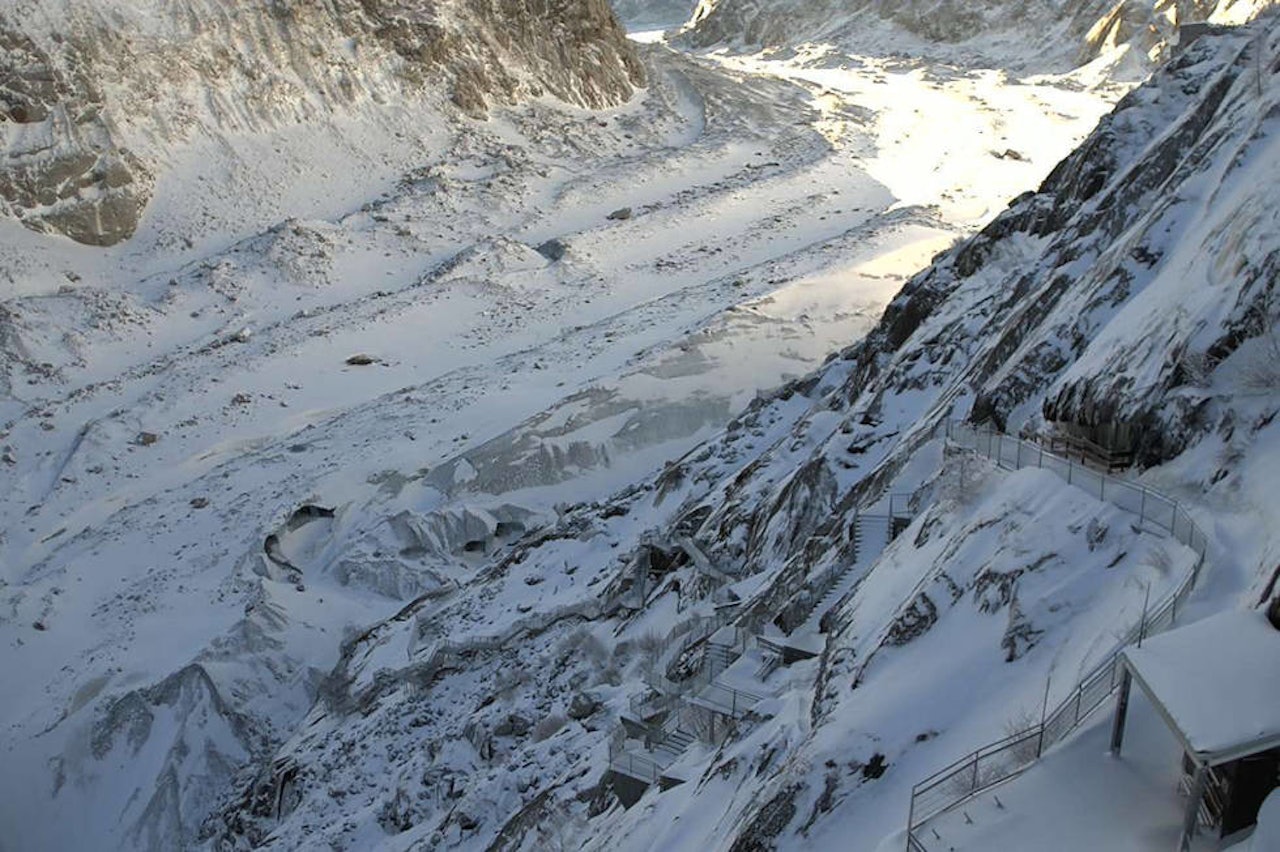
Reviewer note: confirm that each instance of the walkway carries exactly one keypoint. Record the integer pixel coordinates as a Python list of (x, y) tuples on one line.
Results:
[(1079, 797), (994, 763)]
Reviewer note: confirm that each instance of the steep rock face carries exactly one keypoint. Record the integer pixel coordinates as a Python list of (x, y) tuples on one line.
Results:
[(1065, 34), (208, 740), (1134, 289), (1018, 325), (63, 170), (93, 96)]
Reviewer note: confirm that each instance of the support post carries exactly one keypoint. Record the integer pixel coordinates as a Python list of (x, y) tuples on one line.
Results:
[(911, 818), (1044, 711), (1122, 710), (1192, 816), (1142, 625), (1142, 509)]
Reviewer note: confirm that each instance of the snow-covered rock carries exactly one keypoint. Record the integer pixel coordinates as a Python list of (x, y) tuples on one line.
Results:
[(1025, 37), (97, 98)]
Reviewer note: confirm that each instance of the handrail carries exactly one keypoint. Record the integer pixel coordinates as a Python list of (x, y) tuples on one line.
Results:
[(965, 778), (728, 700), (636, 766), (1091, 451)]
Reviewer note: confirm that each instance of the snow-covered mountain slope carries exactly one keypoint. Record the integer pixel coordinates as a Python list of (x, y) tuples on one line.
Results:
[(1132, 293), (333, 527), (97, 98), (169, 403), (1024, 37)]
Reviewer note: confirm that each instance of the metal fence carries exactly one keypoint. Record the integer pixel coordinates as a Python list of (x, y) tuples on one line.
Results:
[(634, 765), (1001, 760)]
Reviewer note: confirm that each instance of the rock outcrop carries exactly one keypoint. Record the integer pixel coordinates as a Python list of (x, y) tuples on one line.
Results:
[(94, 96), (1064, 34)]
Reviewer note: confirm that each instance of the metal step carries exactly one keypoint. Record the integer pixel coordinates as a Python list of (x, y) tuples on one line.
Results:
[(680, 738), (719, 658), (771, 665)]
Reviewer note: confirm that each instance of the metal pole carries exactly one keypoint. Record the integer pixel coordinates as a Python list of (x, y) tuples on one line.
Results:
[(1198, 783), (1122, 710), (911, 813), (1069, 471), (1142, 509), (1142, 625), (1044, 710)]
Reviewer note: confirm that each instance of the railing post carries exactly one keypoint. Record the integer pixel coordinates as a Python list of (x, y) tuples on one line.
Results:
[(1142, 508), (1122, 711), (1142, 625), (1017, 456), (1069, 463), (1198, 783), (911, 814)]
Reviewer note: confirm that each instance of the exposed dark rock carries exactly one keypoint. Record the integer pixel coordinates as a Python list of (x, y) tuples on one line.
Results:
[(769, 822), (553, 250), (583, 706), (514, 725), (875, 767), (1019, 637)]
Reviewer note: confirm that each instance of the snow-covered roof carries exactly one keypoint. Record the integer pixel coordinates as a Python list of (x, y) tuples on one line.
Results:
[(1217, 683)]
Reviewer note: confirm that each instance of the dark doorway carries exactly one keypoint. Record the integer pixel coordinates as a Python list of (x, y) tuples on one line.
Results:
[(1251, 780)]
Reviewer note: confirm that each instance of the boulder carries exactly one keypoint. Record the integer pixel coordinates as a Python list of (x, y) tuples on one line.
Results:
[(553, 250)]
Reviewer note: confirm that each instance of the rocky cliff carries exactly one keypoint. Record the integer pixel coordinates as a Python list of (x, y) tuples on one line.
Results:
[(94, 97), (991, 32)]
